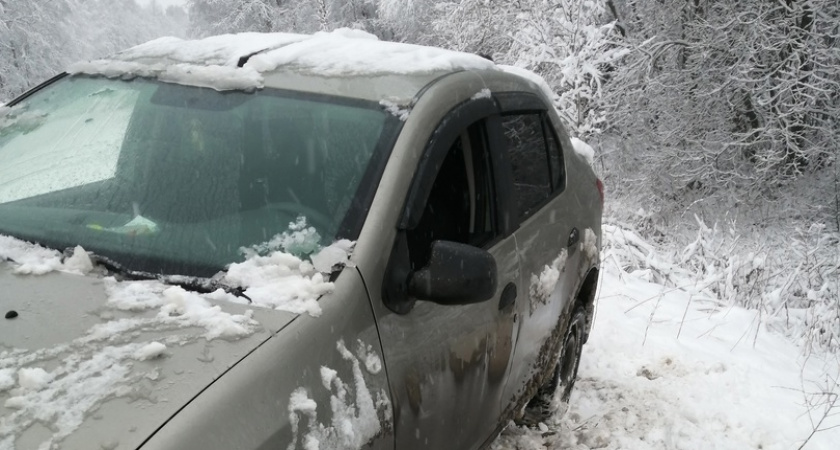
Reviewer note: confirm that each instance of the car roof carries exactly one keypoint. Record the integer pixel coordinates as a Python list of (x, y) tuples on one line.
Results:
[(344, 62)]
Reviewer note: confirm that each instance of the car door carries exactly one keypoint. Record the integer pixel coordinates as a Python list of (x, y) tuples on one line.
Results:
[(447, 364), (546, 237)]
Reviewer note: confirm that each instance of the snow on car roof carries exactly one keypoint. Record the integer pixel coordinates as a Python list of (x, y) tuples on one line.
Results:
[(222, 50), (213, 62), (352, 52)]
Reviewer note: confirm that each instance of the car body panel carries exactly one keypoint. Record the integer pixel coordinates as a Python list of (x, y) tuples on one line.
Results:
[(547, 241), (250, 407), (448, 362), (540, 241), (418, 349), (443, 361), (58, 318)]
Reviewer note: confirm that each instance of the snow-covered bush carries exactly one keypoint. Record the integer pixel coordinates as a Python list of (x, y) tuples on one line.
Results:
[(569, 43), (795, 287), (212, 17), (730, 101)]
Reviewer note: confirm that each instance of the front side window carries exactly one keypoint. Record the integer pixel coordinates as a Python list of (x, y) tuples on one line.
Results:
[(173, 179), (461, 203)]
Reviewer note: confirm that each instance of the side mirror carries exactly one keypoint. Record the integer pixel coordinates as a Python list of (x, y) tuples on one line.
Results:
[(457, 274)]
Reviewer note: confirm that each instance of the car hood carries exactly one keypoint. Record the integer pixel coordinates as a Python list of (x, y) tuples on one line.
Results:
[(90, 362)]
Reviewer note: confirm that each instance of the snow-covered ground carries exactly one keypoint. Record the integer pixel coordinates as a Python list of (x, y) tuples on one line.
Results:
[(664, 370)]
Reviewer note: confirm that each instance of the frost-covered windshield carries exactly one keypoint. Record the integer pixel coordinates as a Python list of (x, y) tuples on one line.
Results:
[(173, 179)]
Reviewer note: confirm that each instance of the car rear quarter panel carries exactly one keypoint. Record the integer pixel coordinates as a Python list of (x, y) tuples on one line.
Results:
[(583, 193), (581, 183)]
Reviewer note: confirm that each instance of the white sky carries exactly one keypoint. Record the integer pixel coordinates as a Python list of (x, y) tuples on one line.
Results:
[(164, 3)]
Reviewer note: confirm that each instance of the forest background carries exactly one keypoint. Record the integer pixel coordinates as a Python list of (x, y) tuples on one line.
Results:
[(715, 122)]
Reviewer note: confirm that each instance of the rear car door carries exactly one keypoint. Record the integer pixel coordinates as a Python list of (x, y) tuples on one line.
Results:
[(447, 364), (546, 236)]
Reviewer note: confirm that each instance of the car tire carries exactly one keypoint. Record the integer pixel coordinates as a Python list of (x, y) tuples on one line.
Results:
[(555, 393)]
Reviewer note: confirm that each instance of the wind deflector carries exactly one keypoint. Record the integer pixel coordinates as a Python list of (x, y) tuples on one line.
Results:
[(457, 120), (519, 101)]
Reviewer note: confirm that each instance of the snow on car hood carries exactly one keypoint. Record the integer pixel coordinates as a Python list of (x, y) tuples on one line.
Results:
[(87, 361)]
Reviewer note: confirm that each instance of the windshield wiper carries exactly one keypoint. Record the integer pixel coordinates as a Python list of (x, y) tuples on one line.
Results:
[(198, 284), (205, 285)]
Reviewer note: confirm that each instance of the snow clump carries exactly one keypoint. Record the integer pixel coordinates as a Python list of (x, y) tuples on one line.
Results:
[(368, 355), (273, 276), (589, 245), (394, 108), (355, 415), (190, 309), (33, 259), (332, 256), (178, 308), (543, 285), (220, 78), (149, 351), (80, 261), (280, 281), (484, 93), (222, 50), (7, 379), (298, 240), (33, 379), (585, 150), (29, 259)]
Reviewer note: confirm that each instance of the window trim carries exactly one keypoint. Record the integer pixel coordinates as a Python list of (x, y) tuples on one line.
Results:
[(548, 127)]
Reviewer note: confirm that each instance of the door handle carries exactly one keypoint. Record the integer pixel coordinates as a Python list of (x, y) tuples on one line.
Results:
[(574, 237), (508, 298)]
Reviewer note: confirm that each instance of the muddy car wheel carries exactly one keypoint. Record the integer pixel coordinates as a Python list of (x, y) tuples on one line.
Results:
[(554, 394)]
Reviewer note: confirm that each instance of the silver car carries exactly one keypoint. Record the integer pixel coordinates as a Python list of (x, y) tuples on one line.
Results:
[(287, 241)]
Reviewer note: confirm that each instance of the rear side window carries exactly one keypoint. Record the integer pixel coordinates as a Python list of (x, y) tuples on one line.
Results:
[(527, 151)]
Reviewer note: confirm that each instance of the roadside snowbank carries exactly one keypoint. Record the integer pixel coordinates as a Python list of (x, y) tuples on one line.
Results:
[(665, 369)]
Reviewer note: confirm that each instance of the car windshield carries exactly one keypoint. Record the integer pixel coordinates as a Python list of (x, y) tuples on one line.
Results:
[(172, 179)]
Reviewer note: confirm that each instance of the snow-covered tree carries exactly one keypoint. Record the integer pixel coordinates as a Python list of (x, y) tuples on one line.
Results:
[(569, 43), (38, 38), (210, 17), (721, 95)]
